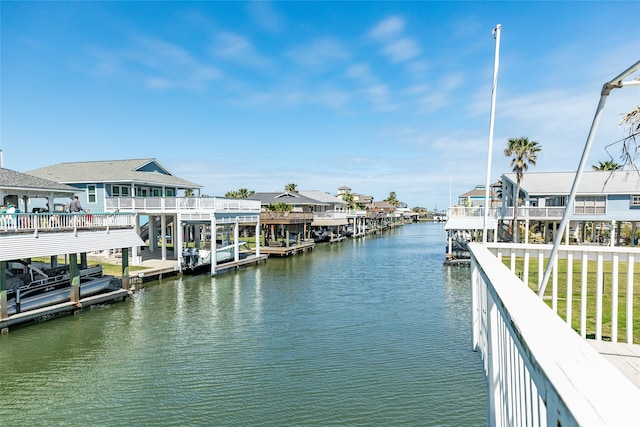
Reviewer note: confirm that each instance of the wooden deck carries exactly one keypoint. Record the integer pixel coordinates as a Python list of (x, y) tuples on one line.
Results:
[(625, 357), (284, 251)]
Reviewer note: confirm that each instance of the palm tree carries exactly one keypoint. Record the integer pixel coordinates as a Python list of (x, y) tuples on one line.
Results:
[(348, 197), (523, 153), (291, 188), (608, 165), (188, 192), (242, 193), (392, 199)]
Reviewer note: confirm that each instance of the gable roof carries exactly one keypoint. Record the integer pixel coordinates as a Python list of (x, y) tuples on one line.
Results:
[(12, 180), (139, 171), (592, 182), (323, 197)]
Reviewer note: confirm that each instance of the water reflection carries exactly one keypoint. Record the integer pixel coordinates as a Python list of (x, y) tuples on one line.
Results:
[(365, 332)]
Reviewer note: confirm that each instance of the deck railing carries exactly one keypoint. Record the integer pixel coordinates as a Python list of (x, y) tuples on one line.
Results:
[(330, 215), (591, 287), (58, 221), (173, 204), (524, 212), (539, 371)]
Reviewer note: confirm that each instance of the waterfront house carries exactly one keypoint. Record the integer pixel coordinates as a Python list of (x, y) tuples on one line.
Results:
[(96, 181), (27, 233), (160, 199), (330, 216), (607, 205), (286, 217)]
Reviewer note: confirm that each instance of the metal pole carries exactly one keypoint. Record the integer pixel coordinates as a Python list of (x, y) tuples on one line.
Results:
[(606, 89), (496, 35)]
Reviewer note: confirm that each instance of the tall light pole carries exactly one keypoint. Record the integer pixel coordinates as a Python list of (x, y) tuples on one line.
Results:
[(496, 35)]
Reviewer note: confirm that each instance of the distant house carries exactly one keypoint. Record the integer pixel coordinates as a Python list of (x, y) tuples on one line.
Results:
[(358, 199), (475, 197), (97, 180), (601, 196), (604, 201)]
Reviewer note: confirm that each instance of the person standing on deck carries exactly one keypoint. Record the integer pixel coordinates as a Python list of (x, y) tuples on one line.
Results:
[(75, 205)]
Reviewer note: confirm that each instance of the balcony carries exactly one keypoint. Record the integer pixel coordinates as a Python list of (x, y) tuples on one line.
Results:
[(34, 223), (282, 217), (524, 212), (182, 204)]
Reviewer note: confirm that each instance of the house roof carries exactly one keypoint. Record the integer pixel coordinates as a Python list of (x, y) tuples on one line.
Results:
[(383, 205), (473, 193), (295, 199), (139, 171), (592, 182), (323, 197), (12, 180)]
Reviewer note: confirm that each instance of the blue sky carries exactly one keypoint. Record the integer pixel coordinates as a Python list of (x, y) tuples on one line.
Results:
[(377, 96)]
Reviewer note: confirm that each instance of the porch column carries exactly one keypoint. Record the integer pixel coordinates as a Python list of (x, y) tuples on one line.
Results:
[(633, 234), (612, 235), (125, 269), (258, 237), (214, 243), (163, 233), (567, 233), (153, 239), (134, 250), (177, 240), (526, 229), (3, 289), (74, 273), (236, 241), (196, 232)]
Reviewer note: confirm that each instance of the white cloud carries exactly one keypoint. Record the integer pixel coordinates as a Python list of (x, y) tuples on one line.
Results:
[(401, 50), (263, 14), (361, 72), (388, 28), (156, 63), (237, 48)]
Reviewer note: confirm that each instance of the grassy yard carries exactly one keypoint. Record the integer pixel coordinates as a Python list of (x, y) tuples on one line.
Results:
[(576, 274)]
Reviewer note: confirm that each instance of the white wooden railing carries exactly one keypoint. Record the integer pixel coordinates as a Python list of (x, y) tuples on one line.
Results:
[(330, 215), (539, 371), (57, 221), (591, 276), (524, 212), (173, 204)]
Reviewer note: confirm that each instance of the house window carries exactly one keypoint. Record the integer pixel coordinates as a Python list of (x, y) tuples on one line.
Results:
[(91, 193), (635, 200), (117, 191), (169, 192), (156, 192), (590, 205)]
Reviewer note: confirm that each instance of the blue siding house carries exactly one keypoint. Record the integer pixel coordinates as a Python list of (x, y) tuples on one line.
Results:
[(97, 180)]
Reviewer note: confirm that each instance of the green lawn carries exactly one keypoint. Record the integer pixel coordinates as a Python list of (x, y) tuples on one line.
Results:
[(576, 274)]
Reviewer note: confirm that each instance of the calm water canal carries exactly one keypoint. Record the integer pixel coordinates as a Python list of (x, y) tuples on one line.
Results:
[(370, 332)]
